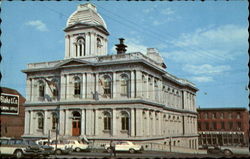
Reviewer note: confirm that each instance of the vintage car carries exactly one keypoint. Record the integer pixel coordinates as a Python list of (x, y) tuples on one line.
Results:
[(234, 150), (62, 147), (125, 146), (78, 145), (19, 148)]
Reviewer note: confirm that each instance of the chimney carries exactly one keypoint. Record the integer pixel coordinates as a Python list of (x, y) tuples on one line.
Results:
[(121, 48)]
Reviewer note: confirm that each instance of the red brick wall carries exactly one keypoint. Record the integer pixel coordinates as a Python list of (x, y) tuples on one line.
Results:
[(243, 120), (13, 125)]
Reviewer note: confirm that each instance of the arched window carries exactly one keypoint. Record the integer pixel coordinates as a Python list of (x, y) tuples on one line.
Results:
[(77, 86), (54, 120), (124, 85), (55, 88), (40, 120), (125, 121), (41, 89), (76, 115), (107, 121), (98, 45), (80, 47), (107, 86)]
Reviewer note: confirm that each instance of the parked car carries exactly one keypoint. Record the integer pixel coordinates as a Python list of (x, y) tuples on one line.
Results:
[(63, 146), (78, 145), (234, 150), (19, 148), (125, 146)]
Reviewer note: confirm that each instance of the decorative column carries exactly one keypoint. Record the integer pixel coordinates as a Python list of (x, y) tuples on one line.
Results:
[(138, 84), (132, 84), (83, 122), (93, 43), (96, 124), (132, 122), (67, 87), (28, 89), (67, 123), (67, 54), (27, 124), (139, 122), (114, 86), (148, 123), (154, 123), (83, 86), (61, 121), (45, 129), (89, 121), (31, 122), (114, 123), (97, 83), (62, 86)]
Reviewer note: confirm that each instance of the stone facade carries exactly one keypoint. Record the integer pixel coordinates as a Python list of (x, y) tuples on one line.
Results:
[(100, 97)]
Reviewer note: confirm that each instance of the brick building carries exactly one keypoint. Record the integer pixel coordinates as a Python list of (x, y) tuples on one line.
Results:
[(223, 126), (12, 113)]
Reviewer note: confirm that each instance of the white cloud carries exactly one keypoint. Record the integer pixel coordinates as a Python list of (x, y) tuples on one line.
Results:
[(149, 10), (202, 79), (210, 44), (205, 69), (167, 11), (39, 25)]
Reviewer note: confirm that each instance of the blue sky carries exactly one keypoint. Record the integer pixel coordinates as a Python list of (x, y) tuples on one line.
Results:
[(204, 42)]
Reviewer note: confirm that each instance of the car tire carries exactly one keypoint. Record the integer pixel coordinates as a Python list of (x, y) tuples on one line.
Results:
[(77, 149), (131, 150), (109, 149), (227, 152), (58, 152), (18, 154)]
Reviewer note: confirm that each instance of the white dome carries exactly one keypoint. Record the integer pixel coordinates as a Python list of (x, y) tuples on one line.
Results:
[(86, 13)]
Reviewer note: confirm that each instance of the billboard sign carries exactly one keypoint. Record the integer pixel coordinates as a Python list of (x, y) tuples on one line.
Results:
[(9, 104)]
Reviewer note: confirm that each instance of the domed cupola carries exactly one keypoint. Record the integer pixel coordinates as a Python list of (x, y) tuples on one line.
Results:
[(86, 33)]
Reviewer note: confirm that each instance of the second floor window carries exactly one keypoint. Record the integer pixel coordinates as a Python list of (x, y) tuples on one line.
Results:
[(107, 86), (222, 125), (77, 86), (124, 85), (41, 89)]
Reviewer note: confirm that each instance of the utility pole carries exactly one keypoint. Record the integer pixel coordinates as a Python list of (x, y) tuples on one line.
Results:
[(57, 119)]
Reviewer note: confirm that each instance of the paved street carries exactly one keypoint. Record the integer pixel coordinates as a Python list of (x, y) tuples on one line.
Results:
[(152, 154)]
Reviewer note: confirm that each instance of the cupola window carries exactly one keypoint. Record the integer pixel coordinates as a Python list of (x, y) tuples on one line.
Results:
[(80, 47), (40, 121), (41, 90)]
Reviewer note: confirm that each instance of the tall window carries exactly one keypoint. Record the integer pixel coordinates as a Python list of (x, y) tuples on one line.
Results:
[(40, 120), (55, 88), (156, 89), (107, 86), (222, 125), (77, 86), (125, 121), (124, 85), (54, 120), (98, 45), (80, 47), (107, 121), (41, 89), (238, 115)]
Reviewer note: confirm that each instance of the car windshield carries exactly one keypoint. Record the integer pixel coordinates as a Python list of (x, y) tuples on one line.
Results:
[(30, 142)]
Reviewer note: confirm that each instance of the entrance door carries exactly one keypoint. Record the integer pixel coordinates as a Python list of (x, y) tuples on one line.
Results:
[(76, 128)]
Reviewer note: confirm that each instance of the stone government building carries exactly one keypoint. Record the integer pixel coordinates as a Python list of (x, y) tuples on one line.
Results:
[(123, 96)]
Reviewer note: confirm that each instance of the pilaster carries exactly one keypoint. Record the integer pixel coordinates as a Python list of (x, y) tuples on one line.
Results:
[(61, 121), (27, 124), (114, 86), (132, 83), (83, 122), (132, 122), (114, 131), (45, 128), (138, 84)]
